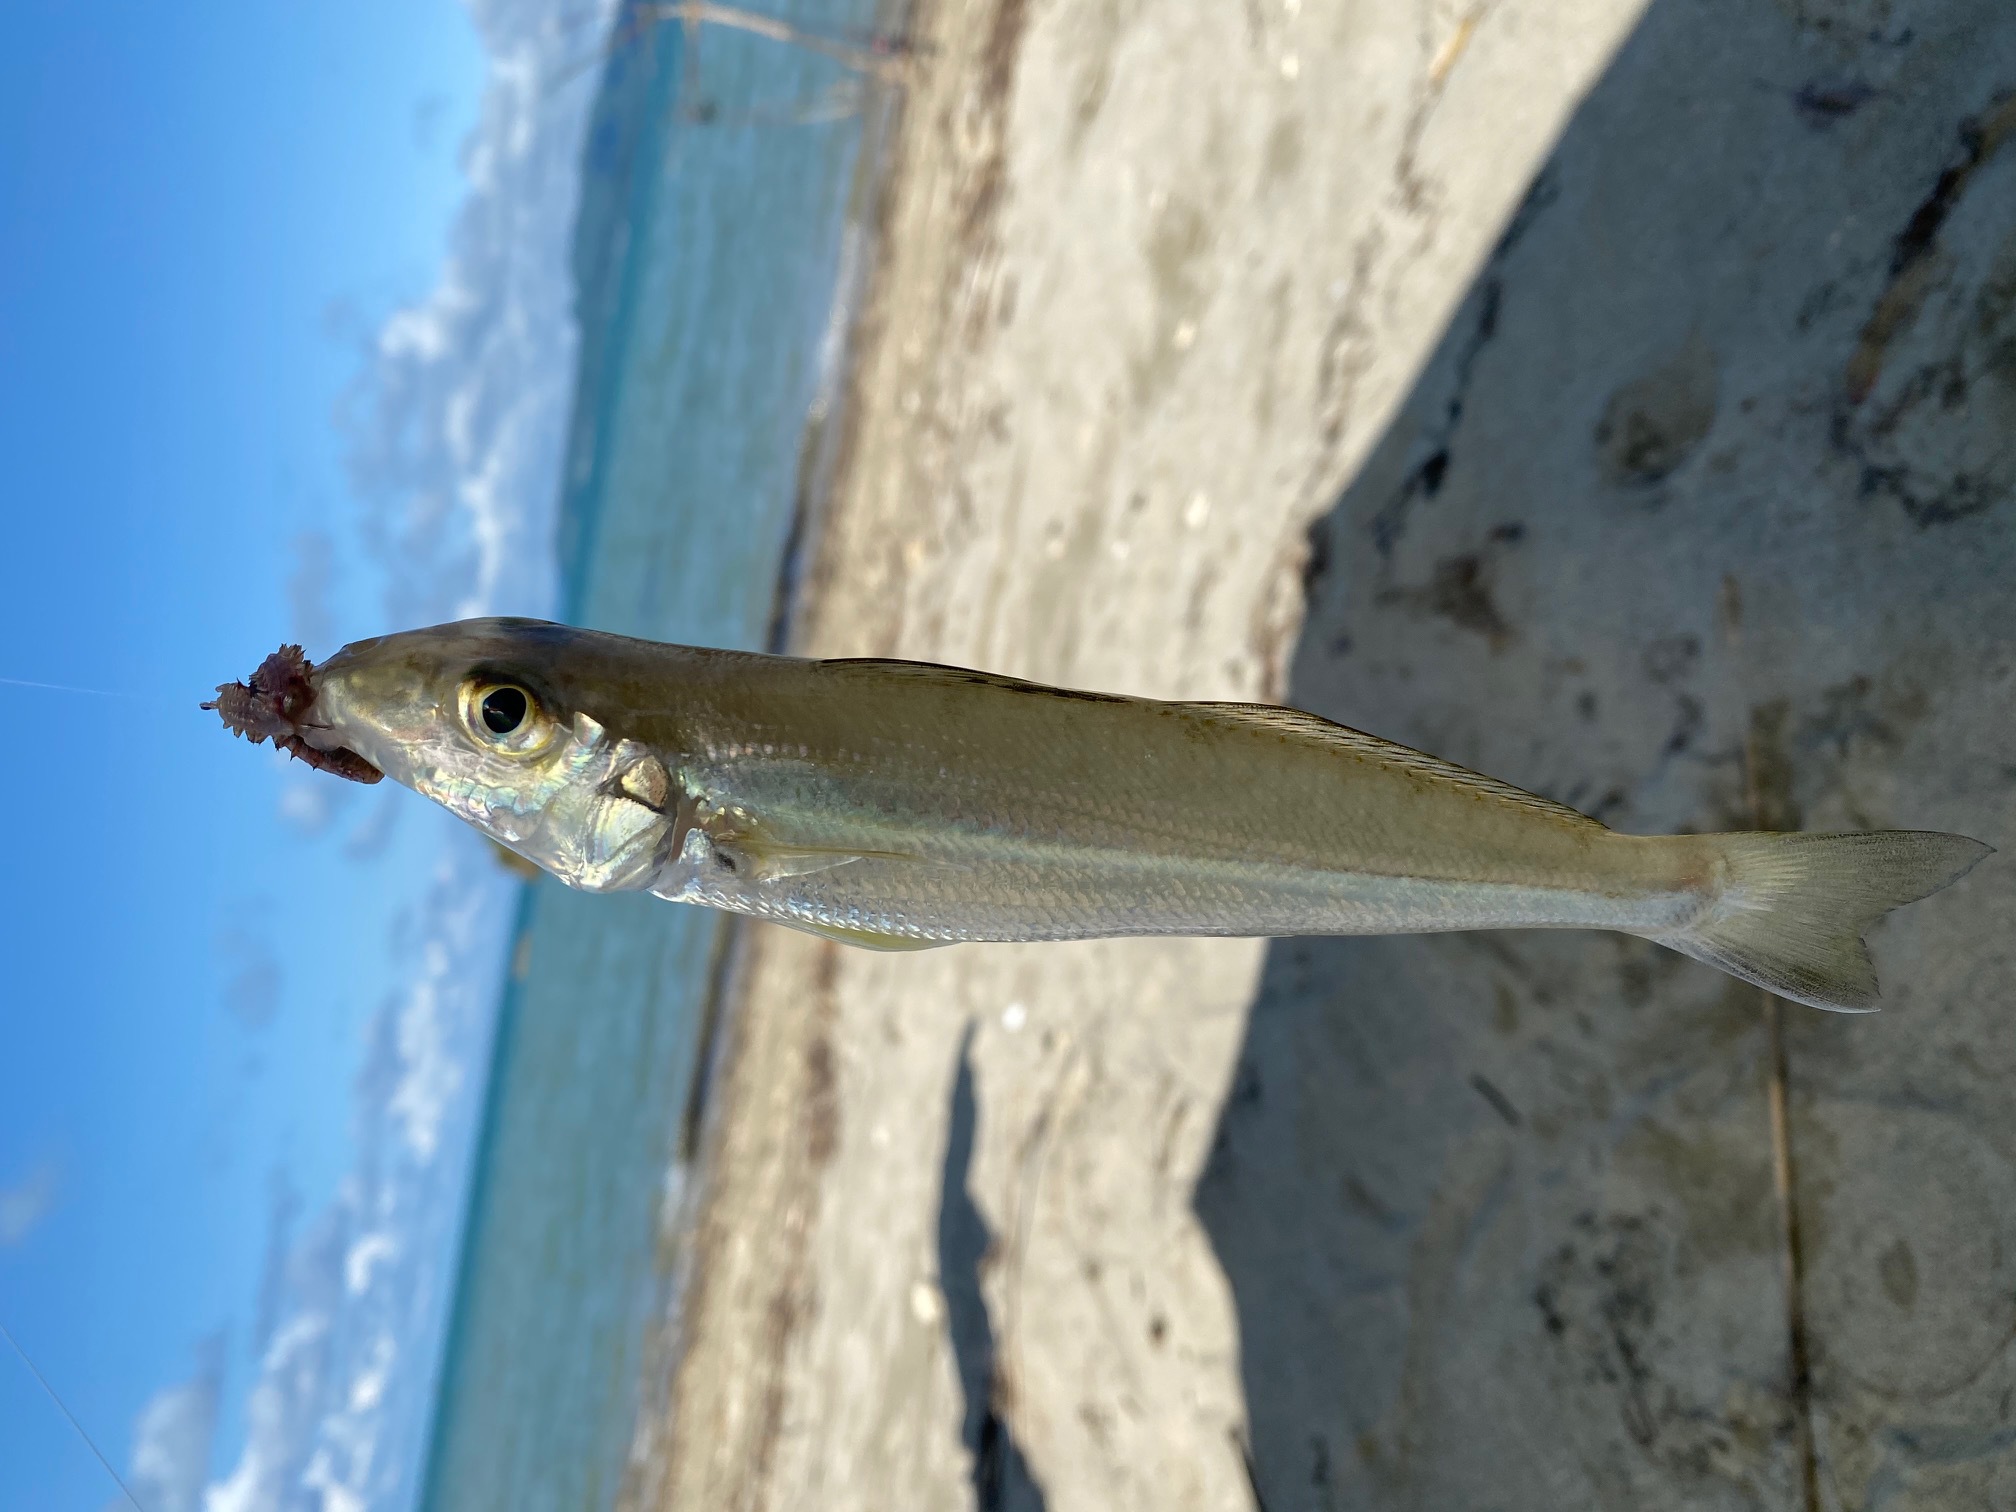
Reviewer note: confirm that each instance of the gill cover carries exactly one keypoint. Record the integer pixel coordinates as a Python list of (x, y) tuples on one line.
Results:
[(608, 823)]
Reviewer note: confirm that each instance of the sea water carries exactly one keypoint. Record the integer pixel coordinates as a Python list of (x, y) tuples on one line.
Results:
[(714, 258)]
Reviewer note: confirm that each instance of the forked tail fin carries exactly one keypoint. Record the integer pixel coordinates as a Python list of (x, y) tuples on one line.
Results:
[(1791, 909)]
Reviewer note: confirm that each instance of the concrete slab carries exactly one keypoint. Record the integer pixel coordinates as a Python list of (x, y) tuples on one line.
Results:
[(1706, 505)]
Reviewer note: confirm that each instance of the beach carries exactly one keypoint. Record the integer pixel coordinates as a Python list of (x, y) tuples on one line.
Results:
[(1148, 288)]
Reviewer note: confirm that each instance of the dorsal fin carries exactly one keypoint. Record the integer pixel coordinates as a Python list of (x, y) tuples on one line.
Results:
[(1358, 743), (1274, 717)]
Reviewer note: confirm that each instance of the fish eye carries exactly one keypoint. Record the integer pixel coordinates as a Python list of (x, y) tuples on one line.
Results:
[(504, 709), (505, 716)]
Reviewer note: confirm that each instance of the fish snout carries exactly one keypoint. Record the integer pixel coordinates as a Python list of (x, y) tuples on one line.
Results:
[(279, 702), (373, 704)]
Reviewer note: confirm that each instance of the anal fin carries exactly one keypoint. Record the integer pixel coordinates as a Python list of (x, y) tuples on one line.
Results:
[(866, 939)]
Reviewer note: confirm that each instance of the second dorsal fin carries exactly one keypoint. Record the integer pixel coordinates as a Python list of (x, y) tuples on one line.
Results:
[(1358, 743)]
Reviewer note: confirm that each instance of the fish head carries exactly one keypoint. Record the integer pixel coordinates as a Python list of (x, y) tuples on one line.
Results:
[(490, 719)]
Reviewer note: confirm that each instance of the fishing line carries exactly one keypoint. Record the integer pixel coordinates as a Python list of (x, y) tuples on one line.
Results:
[(89, 692), (22, 682), (70, 1417)]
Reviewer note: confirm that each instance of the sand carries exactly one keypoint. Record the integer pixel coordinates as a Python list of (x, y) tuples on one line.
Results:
[(1210, 353), (1150, 282)]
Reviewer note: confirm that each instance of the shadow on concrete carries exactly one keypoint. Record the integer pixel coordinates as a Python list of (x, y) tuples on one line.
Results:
[(1704, 500), (1001, 1478)]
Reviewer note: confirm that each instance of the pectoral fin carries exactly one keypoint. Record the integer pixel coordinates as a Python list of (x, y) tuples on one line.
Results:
[(755, 852), (768, 863), (771, 864)]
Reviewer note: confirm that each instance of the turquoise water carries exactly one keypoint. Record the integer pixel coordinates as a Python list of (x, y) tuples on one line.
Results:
[(711, 255)]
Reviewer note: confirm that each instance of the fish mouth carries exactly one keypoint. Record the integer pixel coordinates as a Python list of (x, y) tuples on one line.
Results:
[(277, 703)]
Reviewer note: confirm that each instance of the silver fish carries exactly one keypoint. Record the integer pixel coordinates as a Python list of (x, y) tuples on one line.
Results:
[(901, 805)]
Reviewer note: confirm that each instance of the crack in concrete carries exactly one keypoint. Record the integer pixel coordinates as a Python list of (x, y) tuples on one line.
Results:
[(1767, 781), (1784, 1177)]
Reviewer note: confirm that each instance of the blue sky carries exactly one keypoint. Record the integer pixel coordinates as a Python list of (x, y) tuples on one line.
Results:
[(208, 217)]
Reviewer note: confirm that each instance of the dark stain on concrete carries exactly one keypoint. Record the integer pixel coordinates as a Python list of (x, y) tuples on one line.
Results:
[(1478, 320), (1500, 1103), (1176, 248), (1096, 44), (1316, 560), (1460, 592), (1654, 423), (1347, 346), (822, 1108), (986, 186), (1995, 314), (1772, 803), (1826, 102), (1912, 264), (1672, 658), (1425, 479), (1599, 1316), (1281, 159), (1862, 715), (1898, 1271), (1599, 1293)]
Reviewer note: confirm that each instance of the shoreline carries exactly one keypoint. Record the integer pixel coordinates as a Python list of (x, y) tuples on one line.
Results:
[(693, 387), (823, 456), (836, 411)]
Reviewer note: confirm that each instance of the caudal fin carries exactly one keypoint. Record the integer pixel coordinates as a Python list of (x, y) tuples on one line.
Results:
[(1792, 908)]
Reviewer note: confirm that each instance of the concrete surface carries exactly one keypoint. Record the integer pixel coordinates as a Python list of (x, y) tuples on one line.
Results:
[(1653, 450), (1703, 503)]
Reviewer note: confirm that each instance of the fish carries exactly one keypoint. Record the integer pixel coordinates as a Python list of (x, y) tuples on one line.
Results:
[(902, 805)]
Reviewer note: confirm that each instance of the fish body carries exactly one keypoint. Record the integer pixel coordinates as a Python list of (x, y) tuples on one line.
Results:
[(901, 805)]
